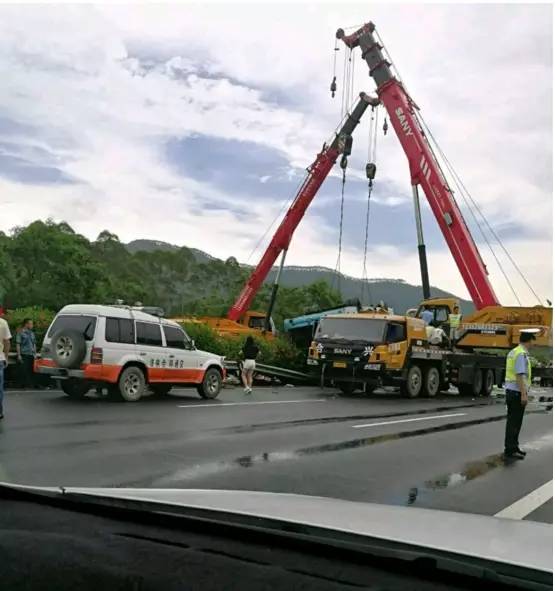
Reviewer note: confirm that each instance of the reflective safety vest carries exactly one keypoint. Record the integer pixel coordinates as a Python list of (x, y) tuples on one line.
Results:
[(454, 320), (510, 375)]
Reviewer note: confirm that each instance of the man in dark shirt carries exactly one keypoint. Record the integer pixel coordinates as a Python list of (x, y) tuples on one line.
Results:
[(26, 347)]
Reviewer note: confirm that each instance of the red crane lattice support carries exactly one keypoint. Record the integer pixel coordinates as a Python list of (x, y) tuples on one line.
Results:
[(316, 175)]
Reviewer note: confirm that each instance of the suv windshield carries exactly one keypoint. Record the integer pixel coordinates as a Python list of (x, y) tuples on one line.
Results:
[(82, 324), (358, 329)]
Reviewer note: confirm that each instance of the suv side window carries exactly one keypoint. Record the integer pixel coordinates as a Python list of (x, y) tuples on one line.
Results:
[(149, 334), (175, 337), (120, 330)]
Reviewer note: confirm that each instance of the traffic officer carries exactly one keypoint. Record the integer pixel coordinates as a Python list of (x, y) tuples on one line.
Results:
[(518, 379), (454, 323)]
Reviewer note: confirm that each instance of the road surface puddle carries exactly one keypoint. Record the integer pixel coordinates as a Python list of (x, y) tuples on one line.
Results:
[(475, 469)]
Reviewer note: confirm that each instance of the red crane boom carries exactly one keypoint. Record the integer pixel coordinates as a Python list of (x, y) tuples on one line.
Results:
[(317, 173), (424, 167)]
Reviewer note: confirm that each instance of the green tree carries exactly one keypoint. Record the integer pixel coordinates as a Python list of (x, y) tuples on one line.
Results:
[(52, 266)]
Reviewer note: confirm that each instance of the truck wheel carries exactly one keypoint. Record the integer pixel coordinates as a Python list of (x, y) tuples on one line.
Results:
[(68, 348), (473, 389), (369, 388), (432, 382), (346, 388), (413, 386), (131, 384), (488, 378), (211, 384), (73, 388)]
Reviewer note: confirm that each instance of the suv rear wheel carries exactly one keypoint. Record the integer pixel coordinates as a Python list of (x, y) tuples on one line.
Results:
[(211, 384), (74, 388), (131, 384), (68, 348)]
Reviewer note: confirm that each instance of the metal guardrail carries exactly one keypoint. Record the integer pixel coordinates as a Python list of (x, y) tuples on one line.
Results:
[(273, 371)]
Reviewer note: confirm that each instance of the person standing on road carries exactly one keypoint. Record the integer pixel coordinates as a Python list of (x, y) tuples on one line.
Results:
[(26, 348), (518, 379), (5, 336), (454, 323), (250, 353)]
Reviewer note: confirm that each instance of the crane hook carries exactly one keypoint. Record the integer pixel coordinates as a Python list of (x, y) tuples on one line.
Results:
[(370, 173), (333, 86)]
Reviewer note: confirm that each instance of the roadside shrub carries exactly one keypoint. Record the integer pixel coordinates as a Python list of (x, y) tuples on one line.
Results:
[(278, 351), (42, 317)]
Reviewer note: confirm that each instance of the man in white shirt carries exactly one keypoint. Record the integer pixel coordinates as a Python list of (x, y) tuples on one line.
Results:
[(5, 336)]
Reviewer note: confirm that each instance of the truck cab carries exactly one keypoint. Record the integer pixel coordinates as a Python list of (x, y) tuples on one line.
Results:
[(364, 350), (441, 308)]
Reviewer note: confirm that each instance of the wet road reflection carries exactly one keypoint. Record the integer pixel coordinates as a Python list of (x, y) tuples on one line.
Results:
[(473, 470), (252, 460)]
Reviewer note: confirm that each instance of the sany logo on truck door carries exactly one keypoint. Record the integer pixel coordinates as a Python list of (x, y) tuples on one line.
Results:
[(403, 121)]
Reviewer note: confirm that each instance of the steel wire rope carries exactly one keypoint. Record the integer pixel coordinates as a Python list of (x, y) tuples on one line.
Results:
[(462, 190)]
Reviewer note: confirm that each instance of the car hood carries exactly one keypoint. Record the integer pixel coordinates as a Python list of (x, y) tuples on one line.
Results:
[(206, 356), (525, 544)]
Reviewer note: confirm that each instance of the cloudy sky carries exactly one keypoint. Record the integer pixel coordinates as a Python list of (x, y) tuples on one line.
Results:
[(193, 124)]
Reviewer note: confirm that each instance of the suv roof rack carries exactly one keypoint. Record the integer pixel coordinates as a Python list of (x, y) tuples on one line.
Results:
[(152, 310)]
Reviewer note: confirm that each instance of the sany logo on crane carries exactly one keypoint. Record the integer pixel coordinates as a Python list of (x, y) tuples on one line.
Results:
[(403, 121)]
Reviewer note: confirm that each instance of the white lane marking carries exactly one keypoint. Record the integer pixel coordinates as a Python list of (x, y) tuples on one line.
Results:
[(523, 507), (219, 405), (456, 414)]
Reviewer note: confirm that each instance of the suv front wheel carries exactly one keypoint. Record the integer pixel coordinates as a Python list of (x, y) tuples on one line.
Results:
[(211, 384), (131, 384)]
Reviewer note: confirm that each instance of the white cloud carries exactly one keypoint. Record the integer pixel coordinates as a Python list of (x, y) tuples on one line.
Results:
[(101, 114)]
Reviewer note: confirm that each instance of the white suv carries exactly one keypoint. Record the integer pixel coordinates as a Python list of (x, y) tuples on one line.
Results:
[(126, 350)]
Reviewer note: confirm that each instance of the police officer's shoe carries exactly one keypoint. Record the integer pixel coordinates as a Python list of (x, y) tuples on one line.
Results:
[(519, 451), (513, 455)]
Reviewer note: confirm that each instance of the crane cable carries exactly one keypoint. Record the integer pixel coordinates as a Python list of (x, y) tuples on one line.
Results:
[(464, 190), (372, 138), (286, 201), (434, 144), (471, 210), (353, 70), (346, 104), (337, 275), (344, 85)]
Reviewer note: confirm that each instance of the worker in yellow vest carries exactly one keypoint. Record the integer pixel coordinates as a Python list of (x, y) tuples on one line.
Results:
[(454, 323), (518, 379)]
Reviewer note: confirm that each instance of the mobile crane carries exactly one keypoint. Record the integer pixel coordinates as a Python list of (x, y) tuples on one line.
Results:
[(368, 348), (240, 320)]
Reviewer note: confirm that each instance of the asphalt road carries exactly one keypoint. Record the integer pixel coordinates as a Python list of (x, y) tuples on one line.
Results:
[(443, 453)]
